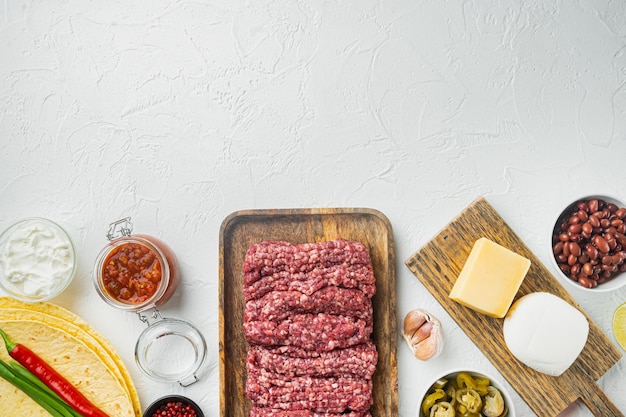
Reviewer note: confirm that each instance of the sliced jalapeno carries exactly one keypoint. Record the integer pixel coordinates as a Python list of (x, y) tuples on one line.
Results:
[(470, 400), (451, 393), (465, 380), (442, 409), (440, 383), (431, 399), (464, 396), (494, 403), (482, 385)]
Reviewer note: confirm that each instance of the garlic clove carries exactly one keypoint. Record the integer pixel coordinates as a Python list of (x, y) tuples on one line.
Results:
[(424, 334), (413, 321)]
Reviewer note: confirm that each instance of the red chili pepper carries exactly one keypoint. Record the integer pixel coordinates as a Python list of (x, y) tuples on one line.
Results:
[(55, 381)]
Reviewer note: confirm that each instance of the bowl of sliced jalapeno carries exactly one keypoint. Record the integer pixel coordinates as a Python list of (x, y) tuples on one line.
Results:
[(467, 393)]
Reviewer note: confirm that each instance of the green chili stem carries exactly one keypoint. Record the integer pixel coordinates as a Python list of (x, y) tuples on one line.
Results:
[(10, 345)]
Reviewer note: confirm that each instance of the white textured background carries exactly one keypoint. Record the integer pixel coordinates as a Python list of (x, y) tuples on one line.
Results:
[(179, 113)]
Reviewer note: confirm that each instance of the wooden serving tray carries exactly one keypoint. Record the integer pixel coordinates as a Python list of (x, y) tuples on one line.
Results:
[(438, 264), (243, 228)]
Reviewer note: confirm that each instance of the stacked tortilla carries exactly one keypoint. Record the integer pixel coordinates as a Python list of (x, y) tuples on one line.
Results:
[(75, 350)]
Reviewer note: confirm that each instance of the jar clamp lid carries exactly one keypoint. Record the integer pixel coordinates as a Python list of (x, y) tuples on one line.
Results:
[(169, 349)]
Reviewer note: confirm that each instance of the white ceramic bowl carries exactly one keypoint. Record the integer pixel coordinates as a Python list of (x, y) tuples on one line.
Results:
[(37, 260), (617, 281), (452, 374)]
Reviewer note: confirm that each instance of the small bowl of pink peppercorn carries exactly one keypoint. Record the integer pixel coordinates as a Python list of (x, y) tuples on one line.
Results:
[(589, 243), (173, 406)]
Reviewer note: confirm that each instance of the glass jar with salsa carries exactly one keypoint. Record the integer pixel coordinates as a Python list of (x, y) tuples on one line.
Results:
[(135, 272)]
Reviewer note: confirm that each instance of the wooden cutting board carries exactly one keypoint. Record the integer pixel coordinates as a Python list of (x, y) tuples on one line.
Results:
[(437, 266), (243, 228)]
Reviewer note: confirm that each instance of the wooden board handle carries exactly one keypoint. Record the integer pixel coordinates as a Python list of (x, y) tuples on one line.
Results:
[(598, 403)]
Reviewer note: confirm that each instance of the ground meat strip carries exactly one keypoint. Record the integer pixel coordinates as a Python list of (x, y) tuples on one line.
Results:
[(359, 360), (328, 394), (278, 305), (308, 319), (275, 412), (320, 332), (359, 277), (269, 257)]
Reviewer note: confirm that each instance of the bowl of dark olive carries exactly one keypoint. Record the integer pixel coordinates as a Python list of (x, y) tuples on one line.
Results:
[(588, 243), (465, 392), (173, 406)]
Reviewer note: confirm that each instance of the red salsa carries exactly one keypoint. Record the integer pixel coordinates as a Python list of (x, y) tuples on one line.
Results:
[(132, 273)]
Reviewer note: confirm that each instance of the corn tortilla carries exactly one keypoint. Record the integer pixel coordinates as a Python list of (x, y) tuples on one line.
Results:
[(9, 315), (63, 338), (81, 366), (82, 331)]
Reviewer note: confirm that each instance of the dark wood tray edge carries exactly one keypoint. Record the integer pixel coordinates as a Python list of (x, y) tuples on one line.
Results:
[(234, 216)]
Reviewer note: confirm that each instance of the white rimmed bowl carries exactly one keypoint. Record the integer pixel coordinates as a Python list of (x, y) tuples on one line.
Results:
[(37, 260), (618, 280), (452, 374)]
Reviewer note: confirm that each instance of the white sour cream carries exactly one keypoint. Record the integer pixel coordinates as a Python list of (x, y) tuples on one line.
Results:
[(37, 259)]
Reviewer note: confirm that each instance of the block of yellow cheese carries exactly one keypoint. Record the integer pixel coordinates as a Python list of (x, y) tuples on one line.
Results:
[(490, 278)]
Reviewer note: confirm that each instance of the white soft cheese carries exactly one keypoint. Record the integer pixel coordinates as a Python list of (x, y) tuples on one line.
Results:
[(545, 332)]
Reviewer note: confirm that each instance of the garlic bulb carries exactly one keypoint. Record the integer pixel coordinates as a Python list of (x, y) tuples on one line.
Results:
[(424, 334)]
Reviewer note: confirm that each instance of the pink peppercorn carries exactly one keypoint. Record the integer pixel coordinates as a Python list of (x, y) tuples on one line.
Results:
[(174, 409)]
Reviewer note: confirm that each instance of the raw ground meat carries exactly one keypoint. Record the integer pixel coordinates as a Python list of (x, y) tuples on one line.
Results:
[(308, 320), (359, 360), (320, 332), (343, 275), (274, 412), (328, 394), (269, 257), (278, 305)]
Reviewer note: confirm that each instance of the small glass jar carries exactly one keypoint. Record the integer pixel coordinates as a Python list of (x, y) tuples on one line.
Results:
[(137, 273), (145, 261)]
